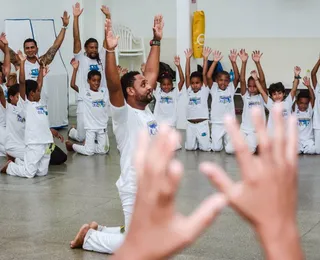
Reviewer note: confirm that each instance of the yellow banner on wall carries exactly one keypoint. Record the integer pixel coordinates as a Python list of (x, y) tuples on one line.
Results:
[(198, 33)]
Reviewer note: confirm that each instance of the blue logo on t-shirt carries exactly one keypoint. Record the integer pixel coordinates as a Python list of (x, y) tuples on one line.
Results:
[(225, 99), (98, 103), (34, 73), (304, 122), (254, 103), (152, 127), (204, 134), (20, 119), (194, 101), (42, 110), (94, 67), (166, 100), (5, 92)]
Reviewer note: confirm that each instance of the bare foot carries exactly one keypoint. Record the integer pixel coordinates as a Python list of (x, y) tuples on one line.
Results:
[(4, 168), (69, 146), (94, 225), (79, 239)]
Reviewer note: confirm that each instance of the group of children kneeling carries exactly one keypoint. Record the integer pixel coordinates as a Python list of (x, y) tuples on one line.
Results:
[(254, 93)]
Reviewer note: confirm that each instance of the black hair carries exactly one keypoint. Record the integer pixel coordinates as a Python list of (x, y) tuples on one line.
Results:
[(93, 73), (165, 75), (196, 74), (250, 78), (30, 40), (304, 94), (127, 81), (276, 87), (31, 86), (222, 73), (93, 40), (12, 91), (1, 71)]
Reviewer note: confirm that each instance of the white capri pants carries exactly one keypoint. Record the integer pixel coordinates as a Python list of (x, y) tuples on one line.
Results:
[(219, 134), (35, 163), (317, 140), (2, 140), (108, 240), (91, 147), (251, 140), (79, 134), (198, 136), (307, 147), (17, 152)]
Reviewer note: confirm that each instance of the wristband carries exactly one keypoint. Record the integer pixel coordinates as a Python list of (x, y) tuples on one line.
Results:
[(155, 43), (64, 27), (297, 77), (110, 51)]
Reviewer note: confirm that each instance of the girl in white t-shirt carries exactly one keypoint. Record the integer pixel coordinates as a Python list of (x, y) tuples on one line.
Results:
[(198, 133), (303, 110), (222, 93), (95, 102), (251, 97), (278, 95)]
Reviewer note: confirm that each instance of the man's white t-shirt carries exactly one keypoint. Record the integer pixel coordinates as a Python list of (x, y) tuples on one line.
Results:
[(15, 129), (2, 109), (127, 123), (31, 70), (85, 66), (316, 115), (166, 107), (197, 107), (222, 102), (37, 129), (95, 113), (287, 108), (305, 126), (249, 102)]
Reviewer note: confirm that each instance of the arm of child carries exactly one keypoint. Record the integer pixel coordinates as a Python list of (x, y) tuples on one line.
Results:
[(306, 82), (293, 92), (152, 66), (48, 57), (256, 57), (43, 71), (206, 52), (244, 58), (22, 76), (233, 59), (217, 56), (2, 98), (75, 65), (264, 95), (188, 53), (181, 76), (6, 62), (314, 74)]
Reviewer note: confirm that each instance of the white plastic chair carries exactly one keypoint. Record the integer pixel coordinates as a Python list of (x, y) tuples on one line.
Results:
[(128, 45)]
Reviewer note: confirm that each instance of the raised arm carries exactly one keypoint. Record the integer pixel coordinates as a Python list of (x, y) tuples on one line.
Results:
[(181, 76), (217, 56), (14, 58), (106, 11), (77, 11), (256, 57), (314, 74), (243, 83), (306, 82), (112, 75), (22, 76), (206, 52), (233, 59), (264, 94), (152, 66), (2, 98), (75, 65), (188, 53), (43, 71), (297, 71), (48, 57), (6, 62)]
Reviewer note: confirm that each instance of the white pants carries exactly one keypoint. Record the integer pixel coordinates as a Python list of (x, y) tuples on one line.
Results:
[(2, 139), (317, 140), (91, 147), (17, 152), (108, 240), (198, 136), (79, 134), (36, 162), (251, 140), (219, 134), (307, 147)]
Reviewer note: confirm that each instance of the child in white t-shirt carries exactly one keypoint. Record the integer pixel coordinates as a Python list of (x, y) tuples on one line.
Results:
[(38, 137), (222, 92), (198, 133), (303, 110), (251, 98), (4, 91), (278, 95), (95, 102)]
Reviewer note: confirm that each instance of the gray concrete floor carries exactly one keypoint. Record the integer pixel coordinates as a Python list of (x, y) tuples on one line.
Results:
[(39, 217)]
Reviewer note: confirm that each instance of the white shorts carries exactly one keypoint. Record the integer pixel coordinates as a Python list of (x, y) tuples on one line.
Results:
[(307, 147), (219, 134), (198, 136), (79, 134), (2, 140), (317, 140), (17, 152), (251, 139)]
